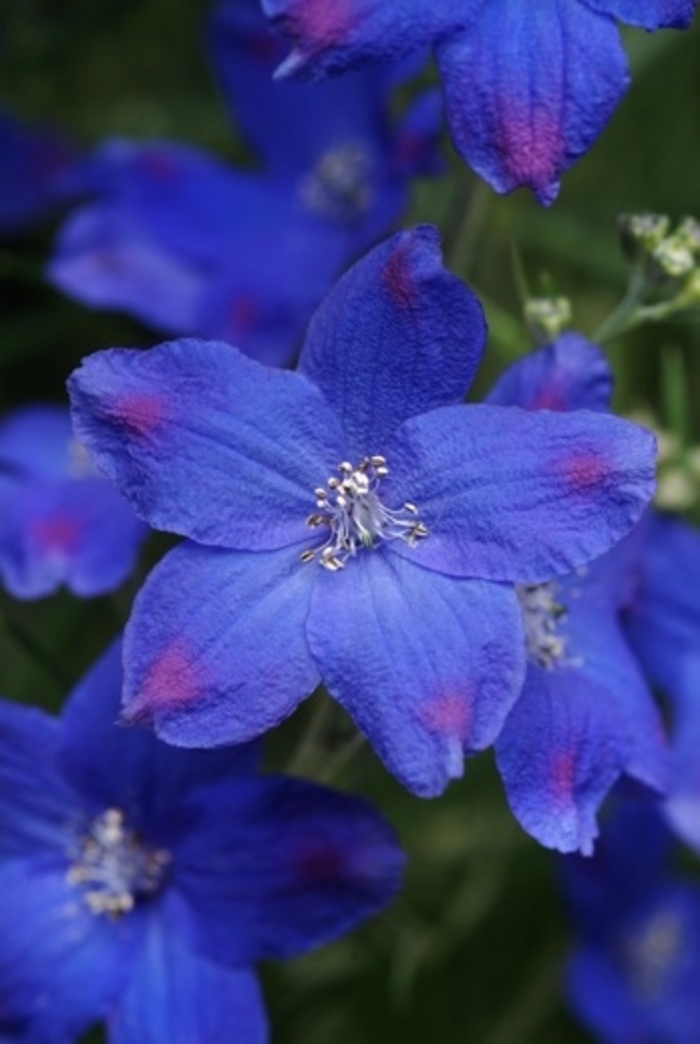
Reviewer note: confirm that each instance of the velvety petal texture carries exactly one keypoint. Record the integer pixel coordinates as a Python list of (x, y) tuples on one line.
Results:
[(569, 374), (511, 495), (215, 649), (182, 431), (397, 336), (528, 89), (427, 666), (558, 756), (112, 766)]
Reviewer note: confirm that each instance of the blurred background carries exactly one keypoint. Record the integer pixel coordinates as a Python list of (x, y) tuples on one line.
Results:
[(473, 950)]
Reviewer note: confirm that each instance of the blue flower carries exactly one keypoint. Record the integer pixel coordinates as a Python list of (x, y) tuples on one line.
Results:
[(39, 169), (352, 522), (141, 882), (61, 522), (633, 977), (528, 86), (586, 714), (192, 246)]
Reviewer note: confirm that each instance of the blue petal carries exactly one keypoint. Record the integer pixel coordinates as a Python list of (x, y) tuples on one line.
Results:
[(336, 36), (559, 754), (175, 994), (398, 335), (652, 14), (292, 865), (35, 442), (105, 258), (215, 650), (663, 619), (595, 639), (508, 494), (529, 87), (569, 374), (128, 768), (35, 800), (207, 443), (683, 805), (60, 965), (428, 667), (78, 532)]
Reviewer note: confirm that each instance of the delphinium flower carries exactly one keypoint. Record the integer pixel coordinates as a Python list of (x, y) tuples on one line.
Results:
[(352, 522), (192, 245), (633, 977), (61, 522), (39, 169), (586, 714), (528, 85), (141, 882)]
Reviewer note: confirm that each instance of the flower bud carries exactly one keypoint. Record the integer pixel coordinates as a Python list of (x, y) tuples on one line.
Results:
[(546, 317), (640, 234)]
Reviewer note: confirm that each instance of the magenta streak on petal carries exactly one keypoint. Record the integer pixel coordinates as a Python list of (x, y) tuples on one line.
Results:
[(398, 278), (141, 413), (172, 683), (532, 146), (323, 22), (585, 471)]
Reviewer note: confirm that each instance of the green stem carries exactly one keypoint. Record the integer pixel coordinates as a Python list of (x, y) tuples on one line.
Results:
[(342, 758), (462, 251), (304, 755), (623, 317)]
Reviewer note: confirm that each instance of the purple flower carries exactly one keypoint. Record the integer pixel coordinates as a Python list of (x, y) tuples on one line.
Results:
[(633, 977), (586, 714), (528, 86), (352, 522), (192, 246), (143, 881), (61, 522)]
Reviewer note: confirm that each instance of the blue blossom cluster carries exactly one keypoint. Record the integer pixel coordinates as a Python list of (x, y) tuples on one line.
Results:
[(457, 575)]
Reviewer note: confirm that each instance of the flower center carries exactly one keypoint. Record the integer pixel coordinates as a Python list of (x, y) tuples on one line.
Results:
[(543, 615), (339, 187), (113, 868), (356, 517), (650, 953)]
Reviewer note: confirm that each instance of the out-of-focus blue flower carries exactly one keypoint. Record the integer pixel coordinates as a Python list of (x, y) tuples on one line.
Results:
[(61, 522), (586, 714), (39, 169), (193, 246), (141, 882), (528, 85), (633, 978), (351, 522), (663, 622)]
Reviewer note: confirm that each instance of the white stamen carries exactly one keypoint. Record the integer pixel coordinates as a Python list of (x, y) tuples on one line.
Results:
[(112, 868), (356, 516), (340, 187), (543, 616)]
